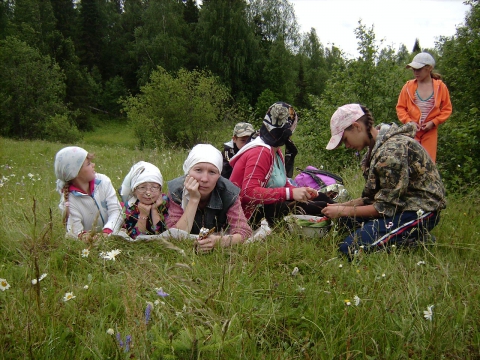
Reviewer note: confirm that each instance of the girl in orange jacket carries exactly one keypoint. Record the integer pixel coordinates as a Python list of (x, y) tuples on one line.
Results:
[(424, 101)]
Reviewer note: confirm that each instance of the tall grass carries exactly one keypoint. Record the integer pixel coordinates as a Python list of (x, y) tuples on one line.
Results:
[(238, 303)]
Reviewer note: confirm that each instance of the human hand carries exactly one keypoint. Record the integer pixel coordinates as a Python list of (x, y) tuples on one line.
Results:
[(144, 210), (428, 126), (334, 211), (204, 245), (313, 192), (302, 194), (159, 201), (191, 184), (417, 125)]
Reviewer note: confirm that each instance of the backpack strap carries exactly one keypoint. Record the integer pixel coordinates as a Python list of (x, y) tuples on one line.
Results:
[(326, 173), (315, 178)]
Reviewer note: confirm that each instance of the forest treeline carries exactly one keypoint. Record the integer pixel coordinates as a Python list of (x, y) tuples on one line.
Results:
[(201, 65)]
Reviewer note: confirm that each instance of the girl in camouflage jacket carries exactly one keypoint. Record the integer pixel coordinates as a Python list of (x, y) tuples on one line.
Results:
[(403, 193)]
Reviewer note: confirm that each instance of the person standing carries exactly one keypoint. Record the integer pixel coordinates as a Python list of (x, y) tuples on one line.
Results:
[(424, 101)]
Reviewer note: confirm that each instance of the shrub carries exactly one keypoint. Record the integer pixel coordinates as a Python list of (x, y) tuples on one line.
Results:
[(178, 109)]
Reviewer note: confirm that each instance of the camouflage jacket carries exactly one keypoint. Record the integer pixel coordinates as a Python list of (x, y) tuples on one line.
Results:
[(401, 175)]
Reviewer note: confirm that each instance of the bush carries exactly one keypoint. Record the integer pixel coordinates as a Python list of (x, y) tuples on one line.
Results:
[(60, 128), (179, 109), (32, 90)]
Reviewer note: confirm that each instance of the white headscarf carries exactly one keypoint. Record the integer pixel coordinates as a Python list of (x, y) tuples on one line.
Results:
[(68, 163), (201, 153), (140, 173)]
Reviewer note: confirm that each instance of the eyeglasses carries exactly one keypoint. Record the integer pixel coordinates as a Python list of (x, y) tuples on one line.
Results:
[(144, 189)]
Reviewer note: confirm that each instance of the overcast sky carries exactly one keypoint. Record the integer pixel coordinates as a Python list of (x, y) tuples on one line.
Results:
[(396, 21)]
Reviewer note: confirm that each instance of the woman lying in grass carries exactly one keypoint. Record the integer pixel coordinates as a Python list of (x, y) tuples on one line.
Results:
[(203, 199), (403, 193)]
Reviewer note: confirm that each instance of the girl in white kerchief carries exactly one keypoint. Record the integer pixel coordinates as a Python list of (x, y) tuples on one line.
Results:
[(87, 199), (145, 205), (204, 199)]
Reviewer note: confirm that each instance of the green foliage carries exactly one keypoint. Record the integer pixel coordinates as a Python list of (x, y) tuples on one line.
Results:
[(459, 143), (234, 303), (31, 94), (177, 109)]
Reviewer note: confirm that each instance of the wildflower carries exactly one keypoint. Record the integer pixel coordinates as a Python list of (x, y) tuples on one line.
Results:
[(4, 285), (301, 289), (347, 302), (383, 275), (35, 281), (119, 339), (328, 281), (68, 296), (110, 331), (340, 266), (30, 175), (295, 271), (128, 340), (85, 253), (420, 212), (421, 262), (394, 246), (148, 312), (86, 287), (356, 300), (102, 254), (428, 314), (112, 254), (157, 302), (161, 293)]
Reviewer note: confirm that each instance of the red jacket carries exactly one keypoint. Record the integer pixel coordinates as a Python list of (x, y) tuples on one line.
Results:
[(407, 111), (251, 171)]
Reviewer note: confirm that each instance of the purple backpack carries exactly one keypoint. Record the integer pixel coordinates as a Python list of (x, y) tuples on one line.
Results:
[(317, 179)]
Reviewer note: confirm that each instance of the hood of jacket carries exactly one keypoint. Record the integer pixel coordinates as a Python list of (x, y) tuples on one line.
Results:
[(387, 131)]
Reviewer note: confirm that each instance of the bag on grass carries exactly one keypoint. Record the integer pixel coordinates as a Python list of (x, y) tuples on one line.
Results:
[(323, 181)]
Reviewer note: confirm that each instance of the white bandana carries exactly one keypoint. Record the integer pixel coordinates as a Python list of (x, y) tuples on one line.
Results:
[(201, 153), (68, 163), (140, 173)]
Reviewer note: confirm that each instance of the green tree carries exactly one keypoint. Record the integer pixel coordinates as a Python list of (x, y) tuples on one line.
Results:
[(31, 95), (459, 139), (177, 109), (227, 44), (160, 41)]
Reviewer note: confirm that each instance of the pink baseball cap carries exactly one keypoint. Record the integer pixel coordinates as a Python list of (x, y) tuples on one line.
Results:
[(345, 116)]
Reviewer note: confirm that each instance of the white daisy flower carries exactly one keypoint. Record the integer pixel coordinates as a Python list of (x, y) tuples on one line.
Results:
[(110, 331), (428, 314), (68, 296), (85, 253), (4, 285)]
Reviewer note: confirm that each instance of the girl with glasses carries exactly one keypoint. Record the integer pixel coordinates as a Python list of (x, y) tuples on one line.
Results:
[(146, 208)]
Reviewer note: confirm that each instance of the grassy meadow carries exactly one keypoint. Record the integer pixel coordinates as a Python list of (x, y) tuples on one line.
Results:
[(245, 302)]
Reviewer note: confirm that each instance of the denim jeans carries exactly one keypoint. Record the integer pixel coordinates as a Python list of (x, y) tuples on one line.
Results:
[(405, 228)]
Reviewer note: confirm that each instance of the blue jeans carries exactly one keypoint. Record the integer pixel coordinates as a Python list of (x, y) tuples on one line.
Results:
[(405, 228)]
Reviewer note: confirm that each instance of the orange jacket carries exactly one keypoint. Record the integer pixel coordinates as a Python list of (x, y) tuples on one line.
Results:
[(407, 111)]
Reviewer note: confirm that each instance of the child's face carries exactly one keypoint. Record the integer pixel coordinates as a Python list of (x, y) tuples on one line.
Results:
[(148, 193), (87, 172), (241, 141)]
